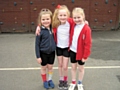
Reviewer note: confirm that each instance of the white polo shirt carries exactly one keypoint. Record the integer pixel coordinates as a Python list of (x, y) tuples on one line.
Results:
[(63, 35), (77, 31)]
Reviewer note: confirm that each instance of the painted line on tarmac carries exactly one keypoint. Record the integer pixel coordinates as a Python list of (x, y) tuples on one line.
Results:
[(37, 68)]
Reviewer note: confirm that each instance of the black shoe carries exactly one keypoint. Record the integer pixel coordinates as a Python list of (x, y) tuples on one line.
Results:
[(60, 85), (65, 85)]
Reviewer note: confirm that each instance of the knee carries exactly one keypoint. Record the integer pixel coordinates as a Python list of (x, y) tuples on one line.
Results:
[(43, 68), (73, 68), (65, 68), (60, 65), (50, 68), (81, 69)]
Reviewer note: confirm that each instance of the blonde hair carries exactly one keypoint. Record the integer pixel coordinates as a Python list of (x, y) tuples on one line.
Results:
[(80, 11), (42, 12), (55, 19)]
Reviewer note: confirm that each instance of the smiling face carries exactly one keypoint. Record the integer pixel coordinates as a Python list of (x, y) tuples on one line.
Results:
[(62, 16), (78, 18), (46, 20), (78, 15)]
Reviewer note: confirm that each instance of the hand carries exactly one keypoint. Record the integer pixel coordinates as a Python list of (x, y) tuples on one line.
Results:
[(86, 22), (83, 60), (39, 60), (37, 31)]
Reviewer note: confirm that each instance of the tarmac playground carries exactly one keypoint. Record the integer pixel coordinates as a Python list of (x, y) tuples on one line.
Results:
[(19, 69)]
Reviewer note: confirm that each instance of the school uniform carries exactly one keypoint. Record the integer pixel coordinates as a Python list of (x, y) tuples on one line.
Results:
[(62, 37), (45, 46), (80, 42)]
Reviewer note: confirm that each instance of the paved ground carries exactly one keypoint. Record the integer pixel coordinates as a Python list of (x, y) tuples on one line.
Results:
[(20, 71)]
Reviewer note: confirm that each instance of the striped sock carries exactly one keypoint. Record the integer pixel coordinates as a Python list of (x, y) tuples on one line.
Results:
[(50, 74)]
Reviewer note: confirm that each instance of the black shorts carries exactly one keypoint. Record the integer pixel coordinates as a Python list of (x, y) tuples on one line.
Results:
[(73, 58), (47, 58), (62, 52)]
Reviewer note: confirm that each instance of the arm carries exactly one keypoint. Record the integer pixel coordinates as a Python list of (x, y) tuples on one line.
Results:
[(37, 30), (39, 60), (37, 49), (37, 46), (86, 22), (87, 44), (83, 60), (70, 20)]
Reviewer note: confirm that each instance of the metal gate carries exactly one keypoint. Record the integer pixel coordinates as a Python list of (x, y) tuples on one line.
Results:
[(21, 15)]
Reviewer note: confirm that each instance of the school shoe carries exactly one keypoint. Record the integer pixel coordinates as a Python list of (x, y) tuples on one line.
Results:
[(80, 87), (60, 85), (45, 84), (65, 85), (72, 86), (51, 84)]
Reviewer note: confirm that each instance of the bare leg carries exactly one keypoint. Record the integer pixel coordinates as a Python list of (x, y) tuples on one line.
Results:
[(50, 68), (50, 71), (65, 65), (81, 72), (43, 69), (73, 71), (60, 65)]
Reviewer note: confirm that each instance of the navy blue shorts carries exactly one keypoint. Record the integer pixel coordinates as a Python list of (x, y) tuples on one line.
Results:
[(73, 58), (62, 52)]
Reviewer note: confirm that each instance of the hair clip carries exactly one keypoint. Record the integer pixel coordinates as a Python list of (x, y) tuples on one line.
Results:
[(44, 10), (58, 6)]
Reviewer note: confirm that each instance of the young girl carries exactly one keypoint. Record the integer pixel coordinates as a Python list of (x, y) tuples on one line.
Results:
[(61, 26), (45, 47), (80, 45)]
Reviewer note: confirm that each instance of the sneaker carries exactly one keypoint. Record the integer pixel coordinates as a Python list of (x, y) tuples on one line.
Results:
[(51, 84), (45, 84), (60, 85), (72, 86), (65, 85), (80, 87)]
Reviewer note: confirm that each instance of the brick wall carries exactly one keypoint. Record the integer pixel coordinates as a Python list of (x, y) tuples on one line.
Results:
[(21, 15)]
